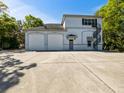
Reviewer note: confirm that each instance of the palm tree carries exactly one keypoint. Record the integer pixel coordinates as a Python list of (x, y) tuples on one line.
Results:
[(3, 7)]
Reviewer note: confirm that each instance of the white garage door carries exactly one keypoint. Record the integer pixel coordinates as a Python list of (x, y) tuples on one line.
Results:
[(36, 42), (55, 42)]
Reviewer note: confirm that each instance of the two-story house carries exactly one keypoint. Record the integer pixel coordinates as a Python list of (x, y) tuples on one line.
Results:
[(76, 32)]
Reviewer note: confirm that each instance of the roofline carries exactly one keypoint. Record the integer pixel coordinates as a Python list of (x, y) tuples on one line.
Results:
[(72, 15), (52, 24), (45, 30)]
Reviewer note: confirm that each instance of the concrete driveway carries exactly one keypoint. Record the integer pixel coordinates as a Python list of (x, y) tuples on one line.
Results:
[(67, 72)]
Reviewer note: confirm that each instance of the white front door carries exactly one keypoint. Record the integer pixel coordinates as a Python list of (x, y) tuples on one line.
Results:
[(71, 44)]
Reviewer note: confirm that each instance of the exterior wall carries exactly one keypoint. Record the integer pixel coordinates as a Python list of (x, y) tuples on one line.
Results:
[(80, 43), (74, 22), (26, 41), (51, 39), (64, 26), (57, 40)]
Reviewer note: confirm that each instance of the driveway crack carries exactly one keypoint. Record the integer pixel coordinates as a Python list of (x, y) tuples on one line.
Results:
[(89, 70)]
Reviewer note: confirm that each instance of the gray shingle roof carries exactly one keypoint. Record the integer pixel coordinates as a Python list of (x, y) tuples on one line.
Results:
[(48, 27)]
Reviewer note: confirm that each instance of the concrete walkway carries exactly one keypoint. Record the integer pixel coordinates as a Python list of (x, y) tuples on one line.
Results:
[(70, 72)]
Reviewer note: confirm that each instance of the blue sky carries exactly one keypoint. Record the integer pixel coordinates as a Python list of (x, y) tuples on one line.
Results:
[(52, 10)]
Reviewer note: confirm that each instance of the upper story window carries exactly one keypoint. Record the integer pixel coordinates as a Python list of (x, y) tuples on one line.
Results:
[(92, 22)]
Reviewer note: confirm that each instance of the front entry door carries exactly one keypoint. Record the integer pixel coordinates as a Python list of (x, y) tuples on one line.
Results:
[(70, 44)]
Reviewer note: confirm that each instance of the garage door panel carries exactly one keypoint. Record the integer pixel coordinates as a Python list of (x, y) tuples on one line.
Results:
[(55, 42), (36, 42)]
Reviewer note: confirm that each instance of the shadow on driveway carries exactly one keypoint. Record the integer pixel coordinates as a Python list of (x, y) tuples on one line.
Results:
[(11, 70)]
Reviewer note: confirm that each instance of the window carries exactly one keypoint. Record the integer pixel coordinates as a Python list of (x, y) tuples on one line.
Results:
[(89, 43), (89, 22), (92, 22), (83, 21)]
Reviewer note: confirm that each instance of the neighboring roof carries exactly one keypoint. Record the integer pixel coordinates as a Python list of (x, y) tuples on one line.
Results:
[(48, 27), (54, 26), (72, 15)]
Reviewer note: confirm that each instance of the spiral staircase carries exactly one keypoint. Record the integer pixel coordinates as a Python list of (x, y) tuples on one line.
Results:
[(97, 37)]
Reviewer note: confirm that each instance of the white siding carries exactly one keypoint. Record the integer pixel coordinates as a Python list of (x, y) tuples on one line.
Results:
[(81, 41), (85, 44), (76, 32), (75, 22), (57, 40)]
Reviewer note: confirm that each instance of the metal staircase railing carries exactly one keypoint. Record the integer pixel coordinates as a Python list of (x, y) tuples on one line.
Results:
[(97, 37)]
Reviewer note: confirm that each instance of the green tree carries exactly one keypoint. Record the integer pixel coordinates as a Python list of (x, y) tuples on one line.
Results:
[(11, 35), (113, 24), (8, 32), (31, 21)]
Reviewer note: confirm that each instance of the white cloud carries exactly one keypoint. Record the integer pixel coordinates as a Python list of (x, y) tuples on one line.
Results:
[(19, 9)]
